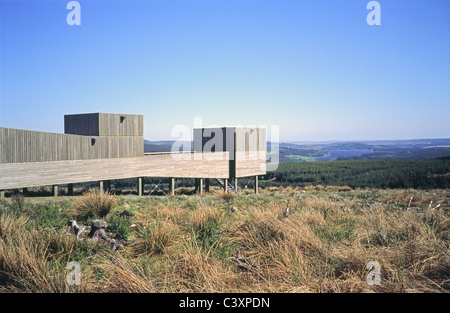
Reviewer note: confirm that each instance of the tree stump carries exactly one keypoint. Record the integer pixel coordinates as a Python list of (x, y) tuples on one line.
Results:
[(72, 227), (98, 232)]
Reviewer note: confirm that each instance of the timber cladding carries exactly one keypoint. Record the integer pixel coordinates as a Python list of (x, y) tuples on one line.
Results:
[(87, 136), (17, 146), (247, 147), (230, 139), (104, 124), (250, 163), (34, 174)]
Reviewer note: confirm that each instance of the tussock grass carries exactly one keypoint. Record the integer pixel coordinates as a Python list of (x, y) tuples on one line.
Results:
[(154, 240), (34, 260), (95, 203), (124, 275), (227, 196), (196, 244)]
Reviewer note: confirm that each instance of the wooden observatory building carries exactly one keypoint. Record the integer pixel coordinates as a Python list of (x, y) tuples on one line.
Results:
[(103, 147)]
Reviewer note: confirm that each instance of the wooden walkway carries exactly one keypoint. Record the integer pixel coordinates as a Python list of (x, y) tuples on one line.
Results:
[(170, 165)]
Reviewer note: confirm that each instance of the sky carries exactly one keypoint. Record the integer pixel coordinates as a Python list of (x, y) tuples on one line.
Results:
[(314, 68)]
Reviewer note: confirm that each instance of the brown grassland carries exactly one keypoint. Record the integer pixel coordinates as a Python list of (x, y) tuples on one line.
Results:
[(243, 243)]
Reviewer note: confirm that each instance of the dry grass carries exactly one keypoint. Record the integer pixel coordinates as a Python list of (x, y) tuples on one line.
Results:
[(33, 260), (95, 203), (123, 275), (227, 196), (194, 244), (154, 240)]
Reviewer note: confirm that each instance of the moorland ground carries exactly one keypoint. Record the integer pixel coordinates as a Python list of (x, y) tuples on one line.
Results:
[(232, 243)]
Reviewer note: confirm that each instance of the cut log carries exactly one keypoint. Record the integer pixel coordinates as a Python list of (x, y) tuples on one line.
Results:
[(98, 232), (72, 227)]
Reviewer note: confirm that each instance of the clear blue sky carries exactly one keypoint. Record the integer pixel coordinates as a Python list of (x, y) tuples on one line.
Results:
[(313, 67)]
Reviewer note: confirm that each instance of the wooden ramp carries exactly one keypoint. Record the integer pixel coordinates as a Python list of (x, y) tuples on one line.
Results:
[(35, 174)]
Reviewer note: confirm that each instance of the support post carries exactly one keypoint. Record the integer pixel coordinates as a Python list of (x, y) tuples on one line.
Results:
[(2, 194), (25, 191), (201, 185), (256, 184), (70, 189), (225, 185), (207, 185), (196, 185), (172, 186), (236, 184), (55, 190), (140, 186), (104, 185)]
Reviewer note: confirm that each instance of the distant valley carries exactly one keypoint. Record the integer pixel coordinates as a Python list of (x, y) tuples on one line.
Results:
[(300, 151)]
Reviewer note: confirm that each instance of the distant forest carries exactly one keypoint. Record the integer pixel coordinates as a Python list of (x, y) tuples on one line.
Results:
[(420, 164), (378, 173)]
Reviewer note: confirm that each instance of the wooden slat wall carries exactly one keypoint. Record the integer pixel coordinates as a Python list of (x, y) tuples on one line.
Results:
[(250, 148), (17, 146), (250, 164), (34, 174), (210, 135), (111, 125), (104, 124), (262, 139), (256, 138), (250, 139), (250, 151)]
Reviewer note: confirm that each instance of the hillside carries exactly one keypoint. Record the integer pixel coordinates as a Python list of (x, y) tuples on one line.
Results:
[(225, 243), (383, 173), (417, 149)]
